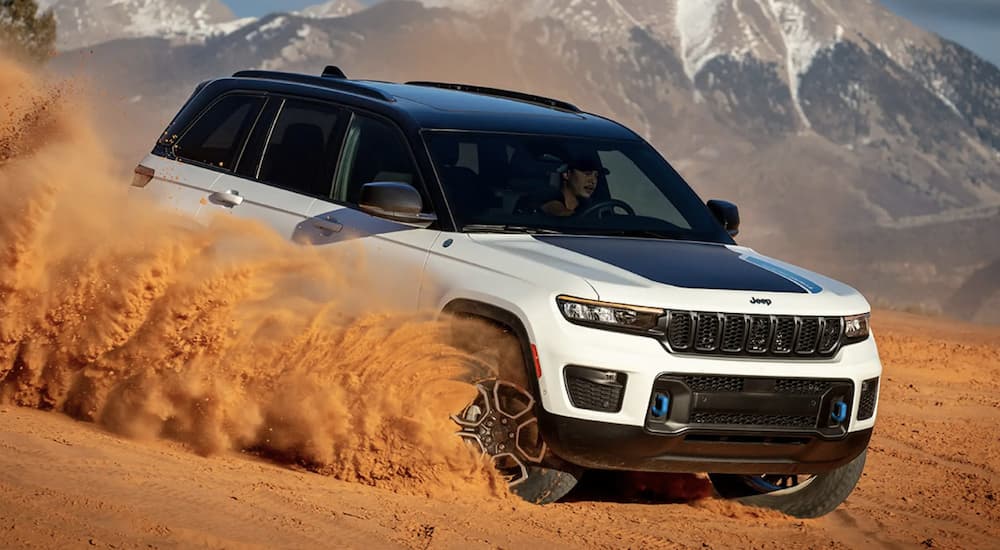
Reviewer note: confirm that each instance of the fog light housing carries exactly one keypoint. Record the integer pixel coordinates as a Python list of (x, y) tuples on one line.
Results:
[(595, 389)]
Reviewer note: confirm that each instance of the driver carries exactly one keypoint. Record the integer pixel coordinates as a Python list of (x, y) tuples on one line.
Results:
[(578, 182)]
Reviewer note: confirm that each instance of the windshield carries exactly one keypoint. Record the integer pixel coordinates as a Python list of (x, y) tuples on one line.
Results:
[(499, 182)]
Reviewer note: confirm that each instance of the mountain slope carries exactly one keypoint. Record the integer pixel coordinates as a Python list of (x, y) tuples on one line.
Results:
[(333, 8), (86, 22)]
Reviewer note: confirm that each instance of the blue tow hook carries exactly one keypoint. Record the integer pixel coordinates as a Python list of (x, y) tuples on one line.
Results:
[(839, 413), (661, 404)]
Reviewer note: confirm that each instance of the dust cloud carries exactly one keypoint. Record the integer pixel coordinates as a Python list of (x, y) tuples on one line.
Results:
[(225, 337)]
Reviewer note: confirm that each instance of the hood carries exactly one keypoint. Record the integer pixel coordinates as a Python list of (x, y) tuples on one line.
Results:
[(684, 275)]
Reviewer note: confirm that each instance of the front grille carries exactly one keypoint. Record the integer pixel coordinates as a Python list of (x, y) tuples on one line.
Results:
[(745, 419), (595, 390), (869, 396), (730, 334)]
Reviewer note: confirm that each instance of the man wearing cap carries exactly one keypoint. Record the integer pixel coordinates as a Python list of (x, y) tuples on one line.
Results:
[(579, 180)]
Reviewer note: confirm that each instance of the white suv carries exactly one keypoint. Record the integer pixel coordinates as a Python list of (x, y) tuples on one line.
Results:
[(630, 331)]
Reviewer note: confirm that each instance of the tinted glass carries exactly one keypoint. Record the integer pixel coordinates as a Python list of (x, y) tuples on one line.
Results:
[(217, 137), (519, 182), (374, 151), (302, 152)]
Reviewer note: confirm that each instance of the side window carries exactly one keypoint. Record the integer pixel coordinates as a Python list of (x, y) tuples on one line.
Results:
[(374, 151), (218, 136), (302, 151)]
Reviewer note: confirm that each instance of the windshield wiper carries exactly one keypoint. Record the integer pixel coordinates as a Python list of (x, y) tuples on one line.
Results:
[(501, 228), (644, 233)]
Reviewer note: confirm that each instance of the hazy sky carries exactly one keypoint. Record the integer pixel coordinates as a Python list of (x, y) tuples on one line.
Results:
[(244, 8), (973, 23)]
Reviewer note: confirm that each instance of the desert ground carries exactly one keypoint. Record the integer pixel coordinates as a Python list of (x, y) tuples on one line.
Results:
[(931, 481)]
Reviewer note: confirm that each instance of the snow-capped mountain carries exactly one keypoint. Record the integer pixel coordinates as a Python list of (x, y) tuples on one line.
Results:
[(778, 105), (85, 22), (333, 8)]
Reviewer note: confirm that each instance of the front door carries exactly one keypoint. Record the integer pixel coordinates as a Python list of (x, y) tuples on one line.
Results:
[(390, 256)]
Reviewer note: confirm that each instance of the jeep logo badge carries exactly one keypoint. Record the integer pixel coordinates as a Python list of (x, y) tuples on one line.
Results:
[(765, 301)]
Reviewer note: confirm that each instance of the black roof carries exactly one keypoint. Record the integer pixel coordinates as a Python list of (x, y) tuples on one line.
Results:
[(432, 105)]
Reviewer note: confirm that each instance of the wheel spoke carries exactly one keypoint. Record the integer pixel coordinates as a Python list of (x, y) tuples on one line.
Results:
[(500, 422)]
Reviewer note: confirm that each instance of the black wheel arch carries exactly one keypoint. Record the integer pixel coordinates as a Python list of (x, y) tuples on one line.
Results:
[(504, 320)]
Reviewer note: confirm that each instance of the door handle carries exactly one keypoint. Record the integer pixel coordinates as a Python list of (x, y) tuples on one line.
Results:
[(327, 225), (228, 198)]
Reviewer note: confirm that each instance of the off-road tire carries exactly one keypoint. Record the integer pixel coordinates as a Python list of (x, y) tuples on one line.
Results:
[(820, 496), (552, 478), (547, 485)]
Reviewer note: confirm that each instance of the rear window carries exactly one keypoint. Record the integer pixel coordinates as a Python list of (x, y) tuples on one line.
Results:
[(216, 139)]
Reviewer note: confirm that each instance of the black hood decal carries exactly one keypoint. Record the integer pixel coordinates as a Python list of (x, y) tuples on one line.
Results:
[(678, 263)]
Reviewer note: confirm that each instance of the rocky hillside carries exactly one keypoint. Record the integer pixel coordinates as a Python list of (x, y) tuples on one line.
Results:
[(333, 8), (855, 142), (86, 22)]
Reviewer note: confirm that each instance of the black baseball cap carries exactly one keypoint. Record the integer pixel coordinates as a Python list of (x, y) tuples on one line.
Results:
[(587, 164)]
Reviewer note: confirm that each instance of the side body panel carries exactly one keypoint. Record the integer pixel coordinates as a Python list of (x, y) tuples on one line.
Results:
[(181, 187)]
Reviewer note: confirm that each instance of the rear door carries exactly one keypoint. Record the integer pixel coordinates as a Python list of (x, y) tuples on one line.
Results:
[(392, 254), (289, 161), (210, 147)]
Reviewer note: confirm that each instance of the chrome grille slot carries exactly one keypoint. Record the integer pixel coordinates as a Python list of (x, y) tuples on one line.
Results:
[(805, 343), (706, 337), (760, 334), (680, 329), (829, 335), (734, 333), (784, 333)]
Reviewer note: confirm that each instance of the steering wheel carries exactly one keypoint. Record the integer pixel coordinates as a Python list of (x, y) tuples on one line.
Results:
[(607, 206)]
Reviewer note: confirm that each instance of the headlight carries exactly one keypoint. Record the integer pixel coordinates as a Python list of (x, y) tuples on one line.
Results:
[(856, 328), (610, 316)]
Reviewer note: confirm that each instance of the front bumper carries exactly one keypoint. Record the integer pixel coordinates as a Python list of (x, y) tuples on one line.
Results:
[(593, 444), (642, 361)]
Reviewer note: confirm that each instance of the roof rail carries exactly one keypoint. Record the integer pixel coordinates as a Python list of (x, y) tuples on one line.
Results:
[(330, 81), (497, 92)]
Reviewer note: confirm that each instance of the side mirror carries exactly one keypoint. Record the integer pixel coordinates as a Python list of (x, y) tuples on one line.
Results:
[(728, 215), (395, 201)]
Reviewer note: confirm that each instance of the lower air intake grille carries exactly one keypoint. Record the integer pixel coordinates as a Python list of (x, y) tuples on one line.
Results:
[(745, 419), (869, 396), (594, 389), (714, 384), (801, 386)]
